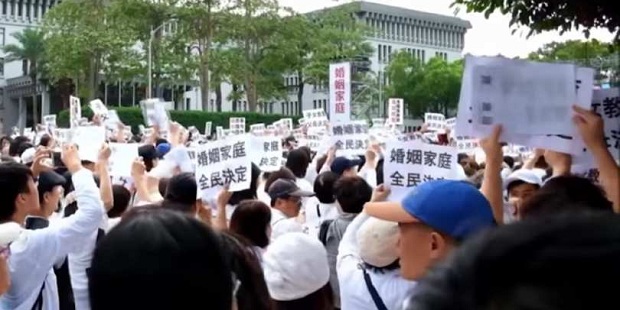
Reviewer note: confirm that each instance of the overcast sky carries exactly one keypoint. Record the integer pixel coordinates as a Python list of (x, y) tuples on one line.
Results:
[(487, 37)]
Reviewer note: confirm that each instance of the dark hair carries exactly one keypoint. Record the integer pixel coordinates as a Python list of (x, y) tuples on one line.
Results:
[(324, 187), (352, 193), (322, 299), (45, 140), (160, 259), (7, 139), (250, 220), (525, 265), (298, 162), (393, 266), (122, 196), (182, 188), (253, 293), (163, 185), (509, 161), (23, 147), (566, 194), (14, 180), (283, 173), (14, 147), (247, 194)]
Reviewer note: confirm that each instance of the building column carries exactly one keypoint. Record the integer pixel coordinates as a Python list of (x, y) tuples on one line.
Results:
[(45, 102), (21, 115)]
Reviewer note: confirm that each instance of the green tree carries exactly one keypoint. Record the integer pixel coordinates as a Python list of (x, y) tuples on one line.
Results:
[(84, 39), (319, 39), (430, 87), (30, 47), (257, 42), (546, 15), (591, 53)]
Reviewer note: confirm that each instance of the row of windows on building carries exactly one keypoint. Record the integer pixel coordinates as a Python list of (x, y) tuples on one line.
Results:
[(385, 53), (26, 9), (452, 37)]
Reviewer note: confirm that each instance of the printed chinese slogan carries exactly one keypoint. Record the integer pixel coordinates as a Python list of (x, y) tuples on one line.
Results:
[(266, 153), (409, 164), (223, 162), (350, 138), (606, 102)]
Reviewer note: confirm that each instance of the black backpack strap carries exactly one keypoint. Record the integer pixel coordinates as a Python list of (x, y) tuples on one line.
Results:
[(372, 290), (38, 304)]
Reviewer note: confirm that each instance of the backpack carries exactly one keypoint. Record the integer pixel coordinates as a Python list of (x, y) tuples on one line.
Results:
[(323, 231)]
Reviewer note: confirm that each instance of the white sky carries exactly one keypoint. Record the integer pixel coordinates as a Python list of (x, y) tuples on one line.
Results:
[(487, 37)]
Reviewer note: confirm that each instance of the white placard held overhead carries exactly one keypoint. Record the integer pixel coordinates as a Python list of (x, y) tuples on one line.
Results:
[(435, 121), (121, 158), (340, 92), (266, 153), (606, 102), (350, 138), (396, 108), (409, 164), (75, 111), (466, 144), (98, 108), (236, 125), (223, 162), (89, 140), (208, 126)]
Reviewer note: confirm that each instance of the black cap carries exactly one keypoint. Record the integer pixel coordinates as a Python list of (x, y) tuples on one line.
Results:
[(48, 180), (147, 152), (286, 188)]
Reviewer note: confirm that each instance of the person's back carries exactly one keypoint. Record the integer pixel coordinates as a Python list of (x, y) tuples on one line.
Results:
[(335, 232)]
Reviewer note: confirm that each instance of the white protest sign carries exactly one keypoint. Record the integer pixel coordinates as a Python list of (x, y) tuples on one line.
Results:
[(606, 102), (236, 125), (49, 122), (350, 138), (121, 158), (98, 108), (396, 108), (434, 121), (466, 144), (155, 113), (409, 164), (340, 92), (267, 153), (223, 162), (208, 126), (89, 140), (75, 111)]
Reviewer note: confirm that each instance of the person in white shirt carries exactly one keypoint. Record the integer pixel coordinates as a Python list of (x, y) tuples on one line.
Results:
[(35, 252), (285, 206), (368, 266)]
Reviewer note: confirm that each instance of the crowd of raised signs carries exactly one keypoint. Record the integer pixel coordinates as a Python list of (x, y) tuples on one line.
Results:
[(322, 215)]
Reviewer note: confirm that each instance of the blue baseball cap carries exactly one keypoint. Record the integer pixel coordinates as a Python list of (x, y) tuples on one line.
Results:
[(340, 164), (163, 149), (454, 208)]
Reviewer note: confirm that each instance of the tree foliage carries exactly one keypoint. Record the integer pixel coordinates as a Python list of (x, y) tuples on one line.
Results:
[(430, 87), (320, 39), (591, 53), (546, 15), (30, 47)]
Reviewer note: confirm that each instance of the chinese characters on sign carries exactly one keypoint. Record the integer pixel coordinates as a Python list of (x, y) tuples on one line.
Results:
[(266, 153), (395, 111), (409, 164), (434, 121), (350, 138), (315, 118), (340, 92), (466, 144), (223, 162), (236, 125), (606, 102), (75, 111)]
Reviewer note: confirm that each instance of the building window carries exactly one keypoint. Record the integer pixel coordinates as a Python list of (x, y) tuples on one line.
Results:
[(2, 36), (379, 55), (1, 67)]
